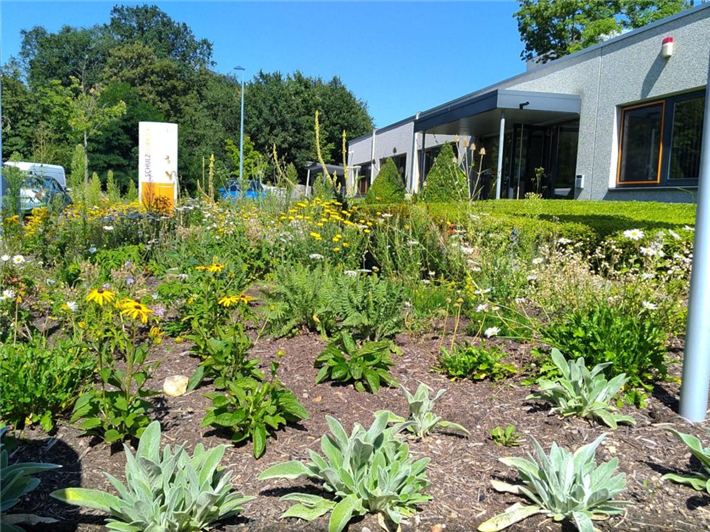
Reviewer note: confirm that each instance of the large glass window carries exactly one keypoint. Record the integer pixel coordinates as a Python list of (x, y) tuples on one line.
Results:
[(660, 141), (641, 144), (687, 139)]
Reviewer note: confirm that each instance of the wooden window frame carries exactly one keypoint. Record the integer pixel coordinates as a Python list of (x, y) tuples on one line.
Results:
[(620, 183)]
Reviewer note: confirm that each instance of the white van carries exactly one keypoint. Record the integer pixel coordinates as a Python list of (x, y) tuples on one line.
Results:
[(43, 185), (54, 171)]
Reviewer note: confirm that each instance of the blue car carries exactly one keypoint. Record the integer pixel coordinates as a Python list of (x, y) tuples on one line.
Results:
[(234, 190)]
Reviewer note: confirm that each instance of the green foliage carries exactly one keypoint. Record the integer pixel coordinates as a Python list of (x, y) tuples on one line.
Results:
[(367, 366), (16, 482), (422, 421), (508, 436), (562, 485), (368, 305), (387, 186), (632, 343), (132, 191), (112, 190), (76, 175), (118, 409), (251, 408), (297, 302), (225, 357), (41, 381), (369, 471), (446, 181), (164, 491), (474, 362), (581, 392), (698, 480), (553, 29)]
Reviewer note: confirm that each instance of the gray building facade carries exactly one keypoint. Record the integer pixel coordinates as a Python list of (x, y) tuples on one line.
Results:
[(621, 120)]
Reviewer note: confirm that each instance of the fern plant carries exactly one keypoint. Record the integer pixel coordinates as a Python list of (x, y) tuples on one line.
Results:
[(581, 392), (369, 306), (562, 485), (298, 300), (422, 421)]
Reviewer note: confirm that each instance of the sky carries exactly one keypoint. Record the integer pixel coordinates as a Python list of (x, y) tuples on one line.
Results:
[(398, 57)]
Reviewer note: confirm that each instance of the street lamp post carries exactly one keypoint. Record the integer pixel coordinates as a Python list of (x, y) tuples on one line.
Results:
[(241, 131)]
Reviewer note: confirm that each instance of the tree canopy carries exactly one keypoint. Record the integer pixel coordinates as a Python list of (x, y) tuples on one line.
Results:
[(155, 69), (555, 28)]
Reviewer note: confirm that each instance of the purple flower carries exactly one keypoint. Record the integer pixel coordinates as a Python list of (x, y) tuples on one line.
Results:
[(159, 311), (130, 280)]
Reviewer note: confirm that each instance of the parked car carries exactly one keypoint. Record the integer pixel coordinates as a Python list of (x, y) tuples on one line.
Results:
[(233, 190)]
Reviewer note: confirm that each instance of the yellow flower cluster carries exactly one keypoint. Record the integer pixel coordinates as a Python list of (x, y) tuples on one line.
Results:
[(215, 267), (228, 301), (134, 310)]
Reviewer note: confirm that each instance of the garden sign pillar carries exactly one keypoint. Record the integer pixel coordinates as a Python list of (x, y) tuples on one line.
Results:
[(696, 362)]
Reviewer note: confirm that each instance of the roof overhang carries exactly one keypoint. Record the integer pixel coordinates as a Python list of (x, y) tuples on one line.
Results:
[(474, 115)]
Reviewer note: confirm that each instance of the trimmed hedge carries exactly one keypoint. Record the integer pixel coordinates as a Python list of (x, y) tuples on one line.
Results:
[(387, 186), (582, 221)]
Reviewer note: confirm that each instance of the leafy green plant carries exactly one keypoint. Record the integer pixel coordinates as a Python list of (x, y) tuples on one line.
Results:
[(367, 366), (562, 485), (16, 482), (118, 409), (164, 491), (369, 471), (297, 302), (631, 343), (225, 357), (41, 381), (422, 421), (251, 408), (699, 480), (369, 306), (581, 392), (388, 186), (507, 437), (474, 362)]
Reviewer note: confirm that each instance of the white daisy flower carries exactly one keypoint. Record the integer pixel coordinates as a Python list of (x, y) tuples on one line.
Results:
[(491, 331), (108, 228), (350, 273), (649, 306), (482, 292), (316, 256), (5, 258), (538, 260), (633, 234), (674, 234), (18, 259), (72, 305), (564, 241), (482, 308), (8, 294), (532, 277)]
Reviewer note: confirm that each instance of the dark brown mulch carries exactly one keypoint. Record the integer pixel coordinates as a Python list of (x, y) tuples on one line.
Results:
[(460, 468)]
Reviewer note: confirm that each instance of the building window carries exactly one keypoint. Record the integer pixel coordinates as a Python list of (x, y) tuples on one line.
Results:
[(687, 139), (641, 144), (660, 142)]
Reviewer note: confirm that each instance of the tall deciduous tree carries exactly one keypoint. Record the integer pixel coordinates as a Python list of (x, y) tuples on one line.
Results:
[(554, 28)]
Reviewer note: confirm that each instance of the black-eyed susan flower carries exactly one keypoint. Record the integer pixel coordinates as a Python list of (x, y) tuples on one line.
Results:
[(215, 267), (136, 311), (100, 296), (228, 301)]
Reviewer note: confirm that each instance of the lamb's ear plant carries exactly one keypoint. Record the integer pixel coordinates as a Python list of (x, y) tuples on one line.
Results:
[(369, 471), (562, 485), (164, 491), (699, 480), (16, 482), (422, 421), (581, 392)]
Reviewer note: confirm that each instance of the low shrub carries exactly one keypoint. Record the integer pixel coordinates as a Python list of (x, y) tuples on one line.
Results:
[(474, 362), (446, 181), (41, 381)]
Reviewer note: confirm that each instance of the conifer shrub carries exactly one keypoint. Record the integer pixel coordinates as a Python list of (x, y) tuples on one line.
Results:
[(387, 186), (446, 181)]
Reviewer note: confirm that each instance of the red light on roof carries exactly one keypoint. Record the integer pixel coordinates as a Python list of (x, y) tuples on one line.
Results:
[(667, 40)]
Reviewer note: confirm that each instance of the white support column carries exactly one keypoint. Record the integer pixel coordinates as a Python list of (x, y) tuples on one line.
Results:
[(373, 168), (501, 141), (696, 362), (413, 175)]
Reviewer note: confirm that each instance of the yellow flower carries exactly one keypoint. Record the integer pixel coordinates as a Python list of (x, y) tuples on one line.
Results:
[(135, 310), (156, 334), (317, 236), (336, 249), (100, 296), (228, 301), (212, 268), (346, 245)]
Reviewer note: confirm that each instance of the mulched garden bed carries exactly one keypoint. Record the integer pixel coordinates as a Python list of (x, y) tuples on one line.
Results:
[(460, 469)]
